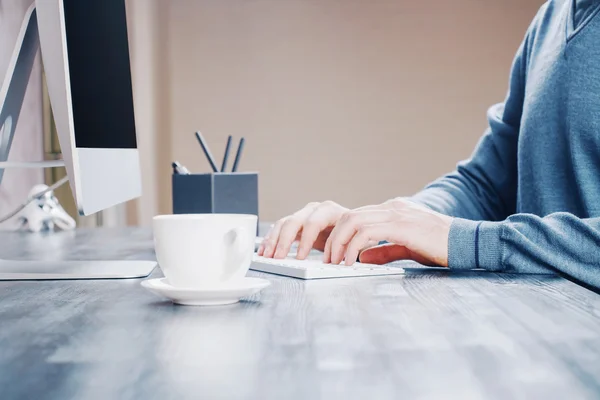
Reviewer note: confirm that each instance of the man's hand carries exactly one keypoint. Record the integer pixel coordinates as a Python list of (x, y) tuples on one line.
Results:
[(413, 231), (311, 226)]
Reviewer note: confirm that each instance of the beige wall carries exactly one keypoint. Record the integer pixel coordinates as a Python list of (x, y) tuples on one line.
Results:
[(355, 101)]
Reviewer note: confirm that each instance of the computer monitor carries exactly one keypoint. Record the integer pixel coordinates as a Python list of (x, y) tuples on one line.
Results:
[(85, 53)]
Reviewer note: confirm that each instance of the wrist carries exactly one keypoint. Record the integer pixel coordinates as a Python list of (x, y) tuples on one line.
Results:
[(445, 224)]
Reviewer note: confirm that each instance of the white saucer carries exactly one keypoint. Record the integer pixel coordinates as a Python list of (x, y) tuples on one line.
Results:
[(227, 293)]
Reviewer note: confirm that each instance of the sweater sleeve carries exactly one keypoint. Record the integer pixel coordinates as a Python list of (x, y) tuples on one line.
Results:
[(484, 186), (526, 243)]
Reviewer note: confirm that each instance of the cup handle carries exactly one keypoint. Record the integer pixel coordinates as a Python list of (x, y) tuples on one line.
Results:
[(235, 250)]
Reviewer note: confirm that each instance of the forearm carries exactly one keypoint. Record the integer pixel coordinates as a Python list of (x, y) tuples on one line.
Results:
[(526, 243), (449, 196)]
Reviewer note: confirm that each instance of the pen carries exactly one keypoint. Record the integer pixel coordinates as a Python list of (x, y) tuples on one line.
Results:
[(209, 156), (238, 155), (226, 155), (179, 169)]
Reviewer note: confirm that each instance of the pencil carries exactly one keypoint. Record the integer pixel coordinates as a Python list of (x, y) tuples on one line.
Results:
[(238, 155), (226, 155), (209, 156)]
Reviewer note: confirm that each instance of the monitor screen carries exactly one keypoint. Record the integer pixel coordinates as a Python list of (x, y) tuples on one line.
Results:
[(100, 75)]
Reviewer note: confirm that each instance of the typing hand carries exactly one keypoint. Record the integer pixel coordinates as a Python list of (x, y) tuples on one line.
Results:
[(311, 226), (413, 231)]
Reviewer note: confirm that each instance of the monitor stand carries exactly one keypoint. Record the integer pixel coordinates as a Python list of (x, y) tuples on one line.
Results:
[(20, 270), (12, 93)]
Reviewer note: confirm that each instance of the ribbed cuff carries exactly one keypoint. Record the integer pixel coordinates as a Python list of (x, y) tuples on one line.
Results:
[(490, 246), (474, 244), (461, 244)]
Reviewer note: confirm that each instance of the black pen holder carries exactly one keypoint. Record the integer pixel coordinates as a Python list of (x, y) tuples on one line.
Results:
[(218, 193)]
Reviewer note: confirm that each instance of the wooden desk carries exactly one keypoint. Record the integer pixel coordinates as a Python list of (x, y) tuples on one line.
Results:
[(428, 334)]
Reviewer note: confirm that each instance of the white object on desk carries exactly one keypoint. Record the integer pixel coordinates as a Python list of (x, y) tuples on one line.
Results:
[(53, 270), (313, 268), (43, 213), (100, 177), (199, 250), (227, 293)]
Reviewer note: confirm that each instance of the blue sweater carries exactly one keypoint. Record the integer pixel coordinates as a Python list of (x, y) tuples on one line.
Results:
[(528, 199)]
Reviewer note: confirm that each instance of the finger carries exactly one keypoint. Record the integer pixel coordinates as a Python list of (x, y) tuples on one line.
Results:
[(337, 246), (309, 235), (384, 254), (368, 234), (327, 250), (319, 220), (370, 244), (289, 231), (292, 230), (363, 236), (261, 247), (328, 253), (347, 228), (330, 245), (270, 241), (328, 256), (319, 243)]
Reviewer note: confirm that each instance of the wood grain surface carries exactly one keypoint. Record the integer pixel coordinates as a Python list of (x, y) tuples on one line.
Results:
[(429, 334)]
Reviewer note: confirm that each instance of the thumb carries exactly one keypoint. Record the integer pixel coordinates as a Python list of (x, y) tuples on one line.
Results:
[(384, 254)]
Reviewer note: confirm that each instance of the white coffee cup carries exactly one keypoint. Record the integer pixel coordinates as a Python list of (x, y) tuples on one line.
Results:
[(204, 250)]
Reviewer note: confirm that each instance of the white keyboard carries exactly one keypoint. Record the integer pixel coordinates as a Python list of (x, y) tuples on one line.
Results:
[(314, 268)]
